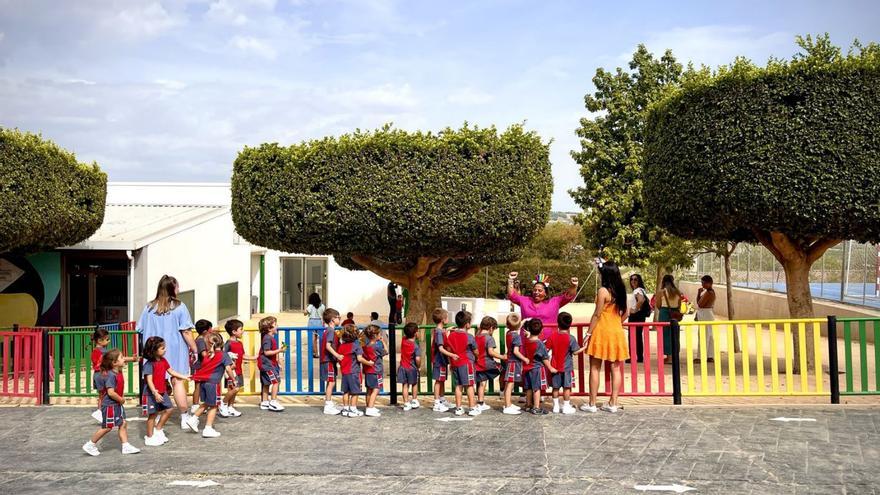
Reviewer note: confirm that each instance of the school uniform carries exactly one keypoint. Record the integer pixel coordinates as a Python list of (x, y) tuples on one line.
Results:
[(208, 377), (350, 367), (97, 357), (562, 345), (327, 360), (462, 344), (439, 362), (512, 372), (270, 371), (112, 412), (408, 371), (237, 348), (534, 375), (373, 375), (201, 347), (485, 365), (159, 370)]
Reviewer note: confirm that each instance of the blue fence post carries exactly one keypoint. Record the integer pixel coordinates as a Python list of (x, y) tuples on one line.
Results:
[(299, 384), (287, 360)]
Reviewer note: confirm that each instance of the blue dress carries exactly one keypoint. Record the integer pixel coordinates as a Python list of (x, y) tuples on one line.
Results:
[(169, 326)]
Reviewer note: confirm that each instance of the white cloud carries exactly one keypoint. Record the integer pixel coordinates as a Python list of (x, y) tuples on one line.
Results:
[(170, 84), (469, 96), (718, 45), (254, 46), (2, 35), (223, 11), (144, 20), (386, 95)]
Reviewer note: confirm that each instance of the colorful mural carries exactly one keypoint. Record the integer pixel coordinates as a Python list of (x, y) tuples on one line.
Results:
[(30, 290)]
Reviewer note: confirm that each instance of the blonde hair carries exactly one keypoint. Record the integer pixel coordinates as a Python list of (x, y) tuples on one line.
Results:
[(513, 321), (166, 296), (267, 323), (439, 315)]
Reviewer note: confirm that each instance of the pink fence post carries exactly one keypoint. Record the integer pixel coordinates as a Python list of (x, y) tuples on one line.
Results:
[(580, 362), (633, 359), (661, 367)]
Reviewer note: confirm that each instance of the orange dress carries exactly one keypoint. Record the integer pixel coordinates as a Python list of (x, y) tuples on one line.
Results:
[(608, 342)]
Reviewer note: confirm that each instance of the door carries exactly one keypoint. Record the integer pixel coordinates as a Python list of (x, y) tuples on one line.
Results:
[(292, 284), (316, 277)]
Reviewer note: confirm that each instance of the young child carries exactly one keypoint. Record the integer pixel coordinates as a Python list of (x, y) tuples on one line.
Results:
[(410, 361), (112, 383), (486, 367), (101, 339), (440, 358), (374, 351), (349, 319), (202, 329), (207, 378), (154, 399), (350, 367), (534, 374), (235, 349), (270, 370), (512, 371), (462, 346), (328, 359), (563, 346)]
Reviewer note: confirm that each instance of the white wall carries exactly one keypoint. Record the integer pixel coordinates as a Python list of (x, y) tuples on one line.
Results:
[(201, 258)]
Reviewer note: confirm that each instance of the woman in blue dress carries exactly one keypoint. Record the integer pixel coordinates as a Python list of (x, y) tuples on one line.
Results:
[(167, 317)]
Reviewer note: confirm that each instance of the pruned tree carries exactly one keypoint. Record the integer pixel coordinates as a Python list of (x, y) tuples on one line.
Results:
[(787, 155), (47, 198), (423, 210)]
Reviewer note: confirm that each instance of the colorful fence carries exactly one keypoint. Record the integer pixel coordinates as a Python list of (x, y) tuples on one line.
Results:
[(754, 371), (70, 349), (856, 333), (22, 356)]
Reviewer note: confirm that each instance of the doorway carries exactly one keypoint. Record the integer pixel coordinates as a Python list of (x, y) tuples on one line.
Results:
[(300, 277), (96, 289)]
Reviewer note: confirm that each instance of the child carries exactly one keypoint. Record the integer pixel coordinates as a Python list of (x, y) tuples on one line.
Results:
[(408, 371), (112, 384), (270, 370), (350, 366), (440, 359), (534, 375), (374, 351), (207, 378), (329, 357), (512, 372), (462, 345), (101, 339), (202, 328), (486, 367), (154, 399), (235, 349), (349, 319), (563, 346)]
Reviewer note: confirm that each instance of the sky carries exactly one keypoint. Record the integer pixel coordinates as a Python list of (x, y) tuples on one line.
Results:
[(173, 90)]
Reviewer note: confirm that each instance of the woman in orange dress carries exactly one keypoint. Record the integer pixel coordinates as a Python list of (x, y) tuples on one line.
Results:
[(606, 340)]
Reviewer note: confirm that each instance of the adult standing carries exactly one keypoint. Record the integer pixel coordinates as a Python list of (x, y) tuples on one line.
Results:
[(706, 312), (393, 316), (167, 317), (315, 312), (639, 312), (538, 305), (668, 309)]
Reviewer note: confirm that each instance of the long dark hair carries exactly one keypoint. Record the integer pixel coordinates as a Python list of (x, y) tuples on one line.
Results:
[(612, 281), (166, 296), (640, 284), (668, 283), (151, 348), (315, 299)]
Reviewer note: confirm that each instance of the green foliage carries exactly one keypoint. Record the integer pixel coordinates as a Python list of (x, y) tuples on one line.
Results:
[(792, 147), (47, 198), (471, 194), (614, 219), (557, 251)]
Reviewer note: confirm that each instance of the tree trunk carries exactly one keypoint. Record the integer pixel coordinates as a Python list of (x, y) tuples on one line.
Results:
[(737, 346)]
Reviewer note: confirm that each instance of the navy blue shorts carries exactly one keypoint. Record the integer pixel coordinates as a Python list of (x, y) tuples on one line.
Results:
[(351, 384), (438, 373), (328, 374), (95, 380), (268, 377), (210, 394), (535, 379), (563, 379), (487, 375), (112, 415), (464, 375), (373, 381), (512, 372), (149, 404), (409, 376)]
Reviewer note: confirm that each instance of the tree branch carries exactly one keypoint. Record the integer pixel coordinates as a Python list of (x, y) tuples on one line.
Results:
[(765, 239), (394, 271), (456, 276), (818, 248)]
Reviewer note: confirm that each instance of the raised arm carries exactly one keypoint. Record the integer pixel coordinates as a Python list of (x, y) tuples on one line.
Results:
[(572, 290), (511, 287)]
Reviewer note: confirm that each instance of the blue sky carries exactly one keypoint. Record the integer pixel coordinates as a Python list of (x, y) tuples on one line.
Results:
[(172, 90)]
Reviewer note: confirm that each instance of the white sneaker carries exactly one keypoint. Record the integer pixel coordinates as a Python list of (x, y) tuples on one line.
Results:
[(274, 405), (128, 448), (91, 449), (345, 413), (97, 415), (210, 432), (415, 404), (372, 412), (331, 409), (193, 423), (184, 421), (568, 410), (160, 434), (476, 411), (233, 412), (355, 412), (556, 408), (588, 408), (484, 407), (459, 411), (407, 406), (264, 405), (440, 407), (511, 410), (608, 408), (153, 441), (193, 409), (445, 402), (223, 412), (516, 407)]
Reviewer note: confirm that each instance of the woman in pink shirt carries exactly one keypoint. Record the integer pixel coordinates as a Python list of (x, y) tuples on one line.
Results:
[(538, 305)]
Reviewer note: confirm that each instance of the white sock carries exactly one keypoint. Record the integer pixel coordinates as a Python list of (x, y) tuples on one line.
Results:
[(90, 443), (556, 402), (566, 403)]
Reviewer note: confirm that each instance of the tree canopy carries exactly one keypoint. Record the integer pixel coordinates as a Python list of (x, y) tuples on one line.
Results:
[(47, 198), (424, 210)]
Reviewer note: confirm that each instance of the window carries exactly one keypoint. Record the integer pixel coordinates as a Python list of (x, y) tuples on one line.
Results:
[(299, 278), (227, 301), (189, 298)]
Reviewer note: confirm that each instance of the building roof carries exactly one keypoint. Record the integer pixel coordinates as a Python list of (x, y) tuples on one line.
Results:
[(133, 226)]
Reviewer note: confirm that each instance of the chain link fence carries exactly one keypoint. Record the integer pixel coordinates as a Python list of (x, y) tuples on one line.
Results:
[(846, 273)]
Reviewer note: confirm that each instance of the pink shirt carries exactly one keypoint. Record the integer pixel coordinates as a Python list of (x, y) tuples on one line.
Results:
[(546, 310)]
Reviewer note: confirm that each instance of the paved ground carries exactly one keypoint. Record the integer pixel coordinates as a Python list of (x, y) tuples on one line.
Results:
[(712, 449)]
